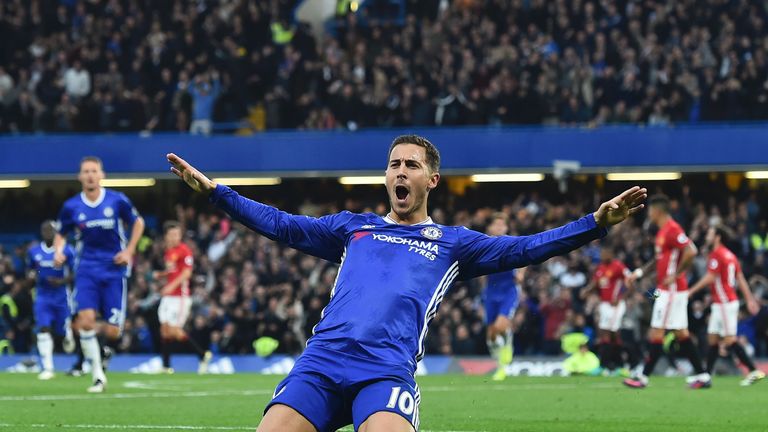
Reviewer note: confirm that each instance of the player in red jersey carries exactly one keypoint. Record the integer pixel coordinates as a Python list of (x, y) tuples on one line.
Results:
[(724, 273), (674, 254), (175, 304), (611, 278)]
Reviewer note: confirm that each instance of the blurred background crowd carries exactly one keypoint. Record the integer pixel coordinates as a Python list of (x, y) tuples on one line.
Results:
[(245, 286), (183, 65)]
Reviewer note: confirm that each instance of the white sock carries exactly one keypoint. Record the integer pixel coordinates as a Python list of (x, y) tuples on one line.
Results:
[(45, 348), (92, 352)]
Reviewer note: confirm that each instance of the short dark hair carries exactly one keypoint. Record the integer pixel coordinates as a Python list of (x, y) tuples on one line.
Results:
[(91, 159), (171, 224), (433, 156), (49, 222), (659, 201), (721, 232)]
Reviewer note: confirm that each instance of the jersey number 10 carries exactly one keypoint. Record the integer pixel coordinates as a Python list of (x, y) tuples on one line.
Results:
[(404, 402)]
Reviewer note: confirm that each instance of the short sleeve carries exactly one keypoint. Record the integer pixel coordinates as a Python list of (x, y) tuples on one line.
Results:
[(712, 264), (677, 239), (187, 260), (66, 221), (126, 210)]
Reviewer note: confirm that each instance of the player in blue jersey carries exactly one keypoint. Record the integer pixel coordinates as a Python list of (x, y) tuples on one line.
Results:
[(359, 365), (500, 298), (52, 292), (100, 219)]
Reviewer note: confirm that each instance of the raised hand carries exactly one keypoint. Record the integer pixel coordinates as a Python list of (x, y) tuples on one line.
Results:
[(621, 207), (191, 176)]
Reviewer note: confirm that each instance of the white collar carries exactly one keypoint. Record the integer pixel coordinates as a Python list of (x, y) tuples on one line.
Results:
[(389, 220), (94, 204), (45, 248)]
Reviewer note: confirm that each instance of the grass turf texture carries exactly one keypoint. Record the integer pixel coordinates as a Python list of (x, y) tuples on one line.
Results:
[(449, 403)]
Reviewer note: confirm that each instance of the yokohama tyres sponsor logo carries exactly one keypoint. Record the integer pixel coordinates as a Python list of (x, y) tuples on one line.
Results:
[(103, 223), (426, 249)]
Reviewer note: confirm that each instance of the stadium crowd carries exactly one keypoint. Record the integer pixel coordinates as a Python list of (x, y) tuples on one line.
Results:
[(245, 286), (138, 65)]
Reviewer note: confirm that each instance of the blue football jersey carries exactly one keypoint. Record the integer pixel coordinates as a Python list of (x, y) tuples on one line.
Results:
[(392, 277), (40, 259), (500, 285), (100, 227)]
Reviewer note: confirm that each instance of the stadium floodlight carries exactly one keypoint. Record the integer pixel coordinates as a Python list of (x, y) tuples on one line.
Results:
[(756, 175), (362, 180), (14, 184), (508, 177), (643, 176), (128, 182), (249, 181)]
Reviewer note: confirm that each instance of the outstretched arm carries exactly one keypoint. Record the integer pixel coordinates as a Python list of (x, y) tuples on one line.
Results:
[(191, 176), (479, 254), (620, 207), (322, 237)]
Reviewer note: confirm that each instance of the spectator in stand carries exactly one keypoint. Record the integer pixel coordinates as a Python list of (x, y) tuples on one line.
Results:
[(245, 286), (204, 92), (497, 62), (77, 81)]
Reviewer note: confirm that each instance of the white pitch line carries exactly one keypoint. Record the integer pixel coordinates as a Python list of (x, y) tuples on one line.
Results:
[(131, 427), (513, 387), (194, 394), (133, 395)]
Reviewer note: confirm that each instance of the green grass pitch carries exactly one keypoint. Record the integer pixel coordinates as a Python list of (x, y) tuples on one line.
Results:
[(449, 403)]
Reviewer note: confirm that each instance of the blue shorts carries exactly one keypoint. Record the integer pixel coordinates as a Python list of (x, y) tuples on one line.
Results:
[(51, 313), (332, 390), (105, 293), (499, 307)]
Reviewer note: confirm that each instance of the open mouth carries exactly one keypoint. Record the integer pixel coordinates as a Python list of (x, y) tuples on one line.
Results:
[(401, 192)]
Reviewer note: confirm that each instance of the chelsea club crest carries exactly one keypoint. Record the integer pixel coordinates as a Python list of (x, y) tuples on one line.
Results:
[(432, 233)]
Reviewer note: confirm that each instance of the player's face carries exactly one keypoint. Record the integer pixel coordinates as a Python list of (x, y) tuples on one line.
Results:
[(173, 237), (47, 232), (606, 255), (90, 175), (710, 239), (409, 179), (498, 227), (653, 214)]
